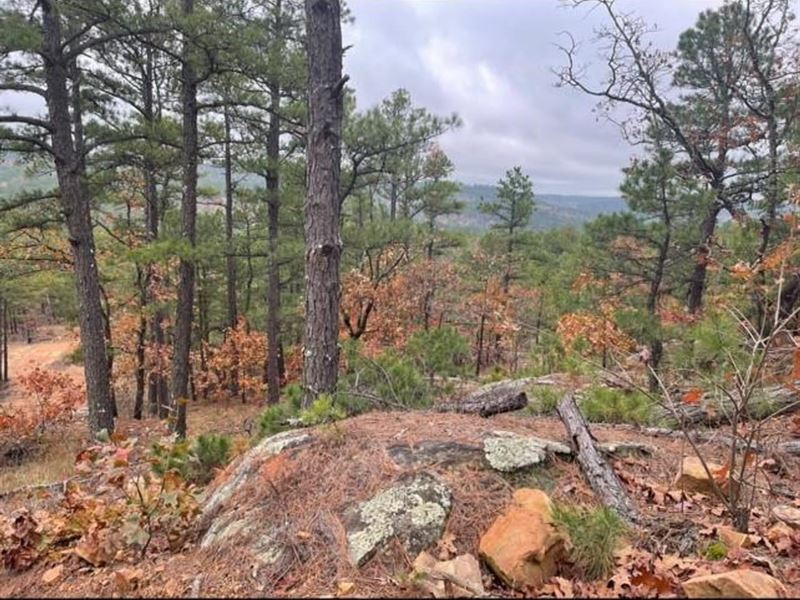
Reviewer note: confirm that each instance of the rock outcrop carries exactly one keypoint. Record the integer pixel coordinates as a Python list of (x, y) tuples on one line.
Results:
[(692, 477), (743, 583), (522, 546), (625, 448), (508, 452), (414, 511), (788, 514), (249, 464), (434, 452)]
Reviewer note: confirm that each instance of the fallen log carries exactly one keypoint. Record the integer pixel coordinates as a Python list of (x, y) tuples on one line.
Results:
[(597, 471), (714, 412), (492, 399), (792, 447)]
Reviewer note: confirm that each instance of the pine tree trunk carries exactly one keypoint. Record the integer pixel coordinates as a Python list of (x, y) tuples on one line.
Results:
[(322, 234), (697, 281), (273, 275), (184, 311), (230, 259), (75, 204)]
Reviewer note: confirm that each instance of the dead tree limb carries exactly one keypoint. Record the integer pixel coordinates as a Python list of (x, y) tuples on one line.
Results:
[(597, 471), (492, 399)]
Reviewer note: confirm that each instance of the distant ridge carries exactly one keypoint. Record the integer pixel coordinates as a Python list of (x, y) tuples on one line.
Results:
[(552, 210)]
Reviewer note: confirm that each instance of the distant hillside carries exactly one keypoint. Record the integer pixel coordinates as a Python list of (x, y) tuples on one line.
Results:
[(552, 210)]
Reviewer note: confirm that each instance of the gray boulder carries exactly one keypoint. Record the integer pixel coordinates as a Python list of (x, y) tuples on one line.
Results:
[(248, 465)]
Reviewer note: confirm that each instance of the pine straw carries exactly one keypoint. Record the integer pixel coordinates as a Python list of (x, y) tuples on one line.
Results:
[(302, 496), (310, 490)]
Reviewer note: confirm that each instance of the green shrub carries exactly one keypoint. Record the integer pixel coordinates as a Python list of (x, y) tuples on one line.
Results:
[(594, 534), (274, 419), (289, 413), (441, 351), (545, 399), (170, 458), (322, 410), (608, 405), (388, 381), (716, 551), (209, 452), (195, 461)]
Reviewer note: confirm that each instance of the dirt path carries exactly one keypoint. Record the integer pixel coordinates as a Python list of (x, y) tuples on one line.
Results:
[(49, 352)]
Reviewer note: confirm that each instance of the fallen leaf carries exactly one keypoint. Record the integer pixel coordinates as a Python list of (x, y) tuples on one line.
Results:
[(651, 581), (51, 575), (344, 587), (692, 396)]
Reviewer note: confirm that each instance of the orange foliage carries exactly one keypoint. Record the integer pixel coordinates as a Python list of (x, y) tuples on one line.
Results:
[(56, 396), (599, 330), (386, 311), (241, 355)]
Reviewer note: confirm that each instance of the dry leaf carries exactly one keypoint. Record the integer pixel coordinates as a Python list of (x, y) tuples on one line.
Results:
[(692, 396), (344, 587), (51, 575)]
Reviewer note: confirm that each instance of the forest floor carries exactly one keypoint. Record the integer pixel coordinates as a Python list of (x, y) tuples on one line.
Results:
[(50, 349), (54, 458), (309, 490)]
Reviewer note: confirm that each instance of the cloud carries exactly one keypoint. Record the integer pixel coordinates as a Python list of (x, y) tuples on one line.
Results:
[(492, 63)]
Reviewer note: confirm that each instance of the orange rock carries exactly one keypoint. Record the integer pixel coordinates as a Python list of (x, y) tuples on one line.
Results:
[(522, 546), (743, 583), (735, 539), (692, 477), (52, 574)]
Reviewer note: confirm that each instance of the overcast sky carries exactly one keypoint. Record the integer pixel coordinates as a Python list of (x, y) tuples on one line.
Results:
[(490, 61)]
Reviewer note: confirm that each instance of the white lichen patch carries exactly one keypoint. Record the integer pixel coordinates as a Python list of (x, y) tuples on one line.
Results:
[(509, 453), (415, 511)]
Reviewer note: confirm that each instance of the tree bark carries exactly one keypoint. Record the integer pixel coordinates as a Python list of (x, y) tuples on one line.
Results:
[(697, 281), (600, 475), (75, 204), (273, 274), (492, 399), (322, 228), (184, 311), (230, 259), (141, 340)]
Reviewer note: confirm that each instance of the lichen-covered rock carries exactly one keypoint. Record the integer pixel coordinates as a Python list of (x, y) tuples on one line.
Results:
[(434, 452), (249, 464), (522, 546), (742, 583), (415, 511), (507, 452), (234, 528), (692, 477)]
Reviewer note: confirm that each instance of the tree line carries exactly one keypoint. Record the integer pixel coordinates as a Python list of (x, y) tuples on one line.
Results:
[(327, 229)]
